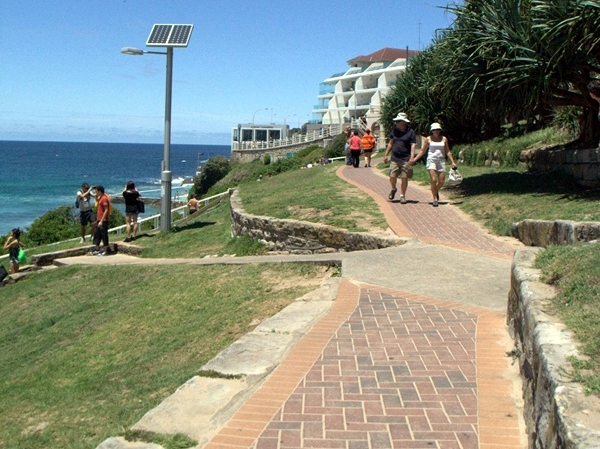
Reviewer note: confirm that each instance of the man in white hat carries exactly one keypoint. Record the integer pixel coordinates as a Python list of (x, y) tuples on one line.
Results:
[(402, 145)]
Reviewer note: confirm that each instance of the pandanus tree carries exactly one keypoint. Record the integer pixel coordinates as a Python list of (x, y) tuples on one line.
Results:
[(505, 60)]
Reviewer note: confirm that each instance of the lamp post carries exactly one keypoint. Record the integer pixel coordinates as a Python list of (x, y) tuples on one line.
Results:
[(168, 36), (285, 124), (254, 115)]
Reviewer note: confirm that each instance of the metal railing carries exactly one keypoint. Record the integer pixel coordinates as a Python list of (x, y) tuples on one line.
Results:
[(180, 212)]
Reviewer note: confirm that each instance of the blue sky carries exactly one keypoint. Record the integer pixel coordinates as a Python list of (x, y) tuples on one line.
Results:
[(63, 78)]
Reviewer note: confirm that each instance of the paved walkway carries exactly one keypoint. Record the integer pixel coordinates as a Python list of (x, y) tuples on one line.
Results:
[(411, 355)]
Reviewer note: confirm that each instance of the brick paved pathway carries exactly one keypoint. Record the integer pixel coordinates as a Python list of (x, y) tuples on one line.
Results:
[(444, 225), (392, 369)]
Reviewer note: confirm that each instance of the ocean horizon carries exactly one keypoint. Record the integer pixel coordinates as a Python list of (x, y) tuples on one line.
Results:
[(36, 176)]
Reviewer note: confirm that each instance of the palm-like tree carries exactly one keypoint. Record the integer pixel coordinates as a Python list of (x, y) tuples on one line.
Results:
[(506, 60)]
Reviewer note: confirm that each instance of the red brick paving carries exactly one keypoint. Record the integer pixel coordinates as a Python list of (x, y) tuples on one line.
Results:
[(391, 369), (443, 225)]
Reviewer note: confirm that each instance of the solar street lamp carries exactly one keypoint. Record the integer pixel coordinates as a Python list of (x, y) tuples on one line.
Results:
[(168, 36)]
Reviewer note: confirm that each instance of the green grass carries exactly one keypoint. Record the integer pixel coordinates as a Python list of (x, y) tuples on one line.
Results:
[(85, 352), (315, 195), (207, 235), (575, 271)]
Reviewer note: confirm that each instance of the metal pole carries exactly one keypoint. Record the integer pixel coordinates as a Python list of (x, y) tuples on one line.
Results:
[(166, 175)]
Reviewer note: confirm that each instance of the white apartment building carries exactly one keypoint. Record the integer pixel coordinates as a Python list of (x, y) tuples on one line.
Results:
[(359, 91)]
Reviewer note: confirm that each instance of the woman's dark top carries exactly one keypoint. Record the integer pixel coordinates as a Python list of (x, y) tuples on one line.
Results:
[(131, 197)]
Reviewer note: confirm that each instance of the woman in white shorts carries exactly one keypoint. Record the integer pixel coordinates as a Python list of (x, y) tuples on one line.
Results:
[(436, 159)]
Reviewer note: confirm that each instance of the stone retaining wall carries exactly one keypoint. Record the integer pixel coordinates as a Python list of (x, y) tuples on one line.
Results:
[(559, 232), (298, 237), (582, 164), (557, 412)]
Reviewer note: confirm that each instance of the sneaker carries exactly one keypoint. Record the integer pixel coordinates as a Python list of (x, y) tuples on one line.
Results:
[(101, 253), (95, 252), (435, 204), (127, 239), (402, 199), (392, 194)]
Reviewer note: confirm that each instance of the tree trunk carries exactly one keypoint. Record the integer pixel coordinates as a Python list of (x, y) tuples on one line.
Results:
[(590, 127)]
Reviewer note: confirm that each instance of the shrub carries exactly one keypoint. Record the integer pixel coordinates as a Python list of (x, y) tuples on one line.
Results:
[(267, 159), (336, 148), (215, 169)]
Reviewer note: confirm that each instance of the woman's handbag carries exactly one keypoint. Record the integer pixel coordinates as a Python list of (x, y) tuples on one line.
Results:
[(141, 206), (454, 177)]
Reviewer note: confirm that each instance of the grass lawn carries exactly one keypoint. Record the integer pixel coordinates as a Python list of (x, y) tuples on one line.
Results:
[(316, 195), (86, 351)]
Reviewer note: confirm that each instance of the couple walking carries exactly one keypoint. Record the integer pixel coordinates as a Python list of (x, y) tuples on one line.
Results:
[(402, 147)]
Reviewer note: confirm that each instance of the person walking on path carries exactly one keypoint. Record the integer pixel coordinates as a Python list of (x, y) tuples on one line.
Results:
[(402, 144), (14, 245), (86, 215), (131, 195), (103, 212), (437, 144), (367, 143), (355, 149), (347, 147)]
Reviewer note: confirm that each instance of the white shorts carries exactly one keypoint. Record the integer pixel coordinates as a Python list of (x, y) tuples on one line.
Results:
[(436, 164)]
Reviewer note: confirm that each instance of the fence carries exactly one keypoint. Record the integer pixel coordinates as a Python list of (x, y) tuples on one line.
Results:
[(181, 212)]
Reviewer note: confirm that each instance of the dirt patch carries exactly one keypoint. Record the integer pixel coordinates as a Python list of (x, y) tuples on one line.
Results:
[(323, 273)]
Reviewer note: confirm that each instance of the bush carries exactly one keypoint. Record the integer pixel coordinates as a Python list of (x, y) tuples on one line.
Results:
[(336, 148), (60, 224), (267, 159), (215, 169)]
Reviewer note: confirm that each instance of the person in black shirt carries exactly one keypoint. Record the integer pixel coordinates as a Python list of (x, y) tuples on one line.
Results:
[(402, 145), (131, 195)]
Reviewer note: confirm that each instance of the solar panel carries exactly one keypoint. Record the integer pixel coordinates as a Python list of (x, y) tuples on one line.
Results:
[(169, 36)]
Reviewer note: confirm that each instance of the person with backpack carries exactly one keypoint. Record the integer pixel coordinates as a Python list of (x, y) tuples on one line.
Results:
[(103, 213), (86, 215)]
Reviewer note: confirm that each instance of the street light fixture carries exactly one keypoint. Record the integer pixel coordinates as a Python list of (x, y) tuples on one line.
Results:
[(254, 115), (168, 36)]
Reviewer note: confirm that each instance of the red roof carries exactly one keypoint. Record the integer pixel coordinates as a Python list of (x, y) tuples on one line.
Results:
[(384, 55)]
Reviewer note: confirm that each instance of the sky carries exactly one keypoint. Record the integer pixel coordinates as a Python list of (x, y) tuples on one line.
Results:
[(63, 77)]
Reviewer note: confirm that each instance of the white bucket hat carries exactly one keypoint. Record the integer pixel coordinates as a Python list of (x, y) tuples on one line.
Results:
[(435, 126), (401, 117)]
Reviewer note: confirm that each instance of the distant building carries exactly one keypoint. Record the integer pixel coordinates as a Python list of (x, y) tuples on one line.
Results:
[(250, 135), (358, 92)]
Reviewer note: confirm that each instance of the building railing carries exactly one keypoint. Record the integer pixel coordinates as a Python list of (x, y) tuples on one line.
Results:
[(326, 132)]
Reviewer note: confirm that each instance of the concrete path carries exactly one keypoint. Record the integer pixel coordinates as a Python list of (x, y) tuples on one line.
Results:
[(411, 354)]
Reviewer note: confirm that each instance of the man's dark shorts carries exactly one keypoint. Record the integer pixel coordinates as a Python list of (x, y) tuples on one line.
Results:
[(86, 217)]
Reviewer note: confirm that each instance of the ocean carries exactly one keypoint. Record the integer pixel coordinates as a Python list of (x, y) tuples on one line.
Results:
[(36, 177)]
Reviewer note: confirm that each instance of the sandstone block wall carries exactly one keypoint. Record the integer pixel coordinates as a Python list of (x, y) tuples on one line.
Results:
[(543, 233), (298, 237), (557, 412), (582, 164)]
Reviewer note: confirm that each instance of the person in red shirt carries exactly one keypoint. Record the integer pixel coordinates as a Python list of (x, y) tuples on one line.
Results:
[(355, 149), (103, 212)]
